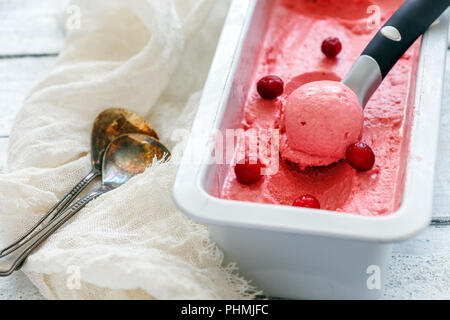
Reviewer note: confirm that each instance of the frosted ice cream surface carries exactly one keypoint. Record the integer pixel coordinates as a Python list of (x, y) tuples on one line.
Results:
[(310, 153)]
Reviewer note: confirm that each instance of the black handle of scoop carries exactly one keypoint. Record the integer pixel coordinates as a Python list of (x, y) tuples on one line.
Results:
[(410, 21)]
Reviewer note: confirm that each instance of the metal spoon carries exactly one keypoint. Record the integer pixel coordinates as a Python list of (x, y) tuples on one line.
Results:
[(409, 22), (125, 157), (109, 124)]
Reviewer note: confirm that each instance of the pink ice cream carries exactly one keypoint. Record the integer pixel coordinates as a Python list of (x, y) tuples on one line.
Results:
[(322, 119), (291, 49)]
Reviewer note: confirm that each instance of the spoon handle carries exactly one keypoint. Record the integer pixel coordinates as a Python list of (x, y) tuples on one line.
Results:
[(10, 262), (410, 21), (389, 44), (58, 208)]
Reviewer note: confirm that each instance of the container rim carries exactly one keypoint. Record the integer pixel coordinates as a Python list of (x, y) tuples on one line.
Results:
[(414, 213)]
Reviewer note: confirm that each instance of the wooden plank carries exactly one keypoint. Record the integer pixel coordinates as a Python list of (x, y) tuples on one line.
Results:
[(442, 177), (420, 267), (18, 287), (3, 154), (17, 78), (31, 27), (448, 11)]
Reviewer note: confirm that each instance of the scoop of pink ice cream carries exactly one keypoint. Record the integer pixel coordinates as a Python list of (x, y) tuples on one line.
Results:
[(322, 118)]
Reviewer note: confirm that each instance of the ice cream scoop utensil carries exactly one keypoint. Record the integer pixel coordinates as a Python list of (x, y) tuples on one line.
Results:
[(124, 158), (108, 125), (405, 26)]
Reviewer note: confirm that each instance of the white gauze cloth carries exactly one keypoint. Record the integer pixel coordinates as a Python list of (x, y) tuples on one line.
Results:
[(151, 57)]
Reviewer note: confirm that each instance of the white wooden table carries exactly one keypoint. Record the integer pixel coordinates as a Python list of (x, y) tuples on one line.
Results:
[(31, 36)]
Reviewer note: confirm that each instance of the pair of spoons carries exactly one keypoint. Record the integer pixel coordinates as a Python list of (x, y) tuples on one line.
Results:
[(122, 145)]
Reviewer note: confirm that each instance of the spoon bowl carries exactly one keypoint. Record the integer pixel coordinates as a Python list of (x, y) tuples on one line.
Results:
[(129, 155), (112, 123)]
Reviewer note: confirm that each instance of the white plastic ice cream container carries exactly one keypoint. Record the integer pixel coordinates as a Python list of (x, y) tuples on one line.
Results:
[(297, 252)]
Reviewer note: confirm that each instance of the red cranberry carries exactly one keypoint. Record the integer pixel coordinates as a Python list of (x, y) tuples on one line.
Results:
[(307, 201), (331, 46), (270, 87), (360, 156), (248, 172)]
